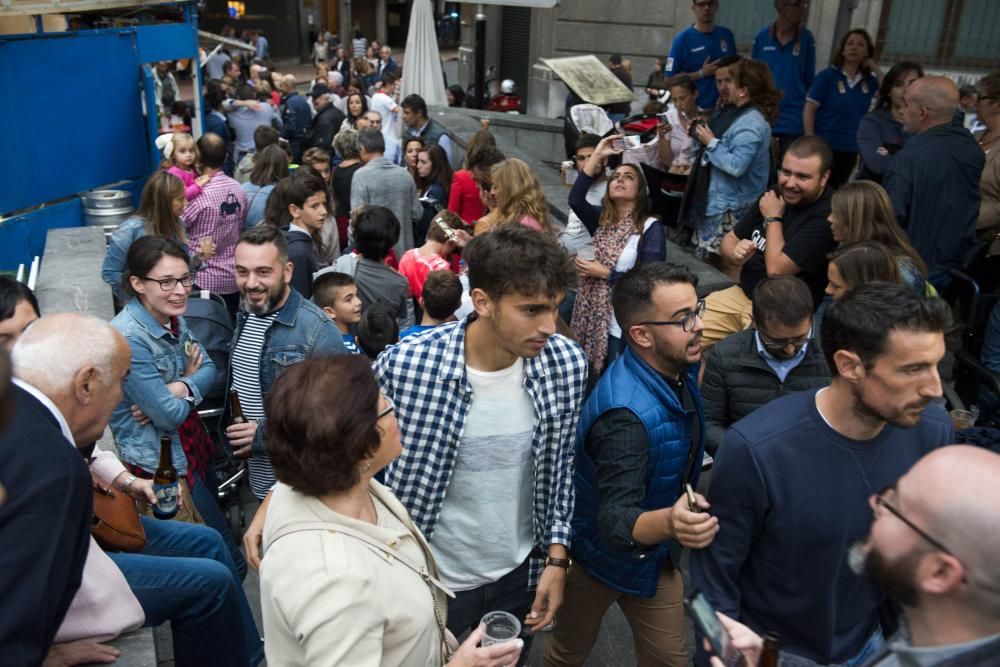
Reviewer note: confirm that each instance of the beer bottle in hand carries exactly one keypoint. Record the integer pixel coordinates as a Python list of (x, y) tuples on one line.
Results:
[(165, 485), (769, 654), (236, 415)]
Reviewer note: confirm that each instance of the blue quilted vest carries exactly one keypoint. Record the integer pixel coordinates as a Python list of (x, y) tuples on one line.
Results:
[(630, 383)]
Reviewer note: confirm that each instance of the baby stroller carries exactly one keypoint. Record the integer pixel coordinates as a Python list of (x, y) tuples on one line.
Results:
[(209, 321)]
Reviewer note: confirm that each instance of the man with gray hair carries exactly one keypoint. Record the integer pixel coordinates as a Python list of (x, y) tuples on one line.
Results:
[(934, 181), (70, 368), (382, 183)]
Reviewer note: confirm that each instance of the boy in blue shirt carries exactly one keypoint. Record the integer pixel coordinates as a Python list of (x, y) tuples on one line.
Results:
[(441, 297), (337, 294), (696, 49)]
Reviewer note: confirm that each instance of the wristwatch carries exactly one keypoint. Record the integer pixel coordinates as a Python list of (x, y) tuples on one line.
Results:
[(773, 218), (564, 563), (127, 486)]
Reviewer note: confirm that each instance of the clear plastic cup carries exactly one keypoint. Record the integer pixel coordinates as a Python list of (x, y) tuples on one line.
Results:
[(500, 627), (961, 419), (586, 252)]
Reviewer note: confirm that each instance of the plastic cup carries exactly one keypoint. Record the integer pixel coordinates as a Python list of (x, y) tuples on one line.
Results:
[(586, 253), (961, 419), (500, 627)]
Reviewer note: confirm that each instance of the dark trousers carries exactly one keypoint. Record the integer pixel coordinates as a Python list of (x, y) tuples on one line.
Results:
[(842, 167), (508, 593)]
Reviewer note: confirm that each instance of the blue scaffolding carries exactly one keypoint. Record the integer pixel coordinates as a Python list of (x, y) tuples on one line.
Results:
[(78, 113)]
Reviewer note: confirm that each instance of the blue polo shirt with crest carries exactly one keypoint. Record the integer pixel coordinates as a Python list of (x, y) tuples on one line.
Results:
[(793, 66), (689, 51)]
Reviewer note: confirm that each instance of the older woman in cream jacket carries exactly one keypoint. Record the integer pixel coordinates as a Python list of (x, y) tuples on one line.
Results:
[(346, 578)]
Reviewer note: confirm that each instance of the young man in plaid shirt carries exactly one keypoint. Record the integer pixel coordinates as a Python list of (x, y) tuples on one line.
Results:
[(488, 408)]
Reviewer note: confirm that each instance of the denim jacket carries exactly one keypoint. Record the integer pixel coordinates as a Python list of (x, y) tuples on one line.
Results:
[(114, 261), (158, 359), (300, 331), (741, 161)]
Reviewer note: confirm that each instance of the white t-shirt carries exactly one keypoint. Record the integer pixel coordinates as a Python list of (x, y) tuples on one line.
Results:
[(484, 530), (575, 236), (386, 107), (626, 260)]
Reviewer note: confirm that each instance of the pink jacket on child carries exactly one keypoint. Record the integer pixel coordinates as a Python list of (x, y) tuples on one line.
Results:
[(191, 189)]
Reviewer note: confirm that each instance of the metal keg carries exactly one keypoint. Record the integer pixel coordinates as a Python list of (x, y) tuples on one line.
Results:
[(107, 209)]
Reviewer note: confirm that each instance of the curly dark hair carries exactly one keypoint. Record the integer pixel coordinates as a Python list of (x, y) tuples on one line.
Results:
[(756, 77), (322, 423)]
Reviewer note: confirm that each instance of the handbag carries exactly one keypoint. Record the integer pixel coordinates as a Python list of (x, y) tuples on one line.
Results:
[(116, 525)]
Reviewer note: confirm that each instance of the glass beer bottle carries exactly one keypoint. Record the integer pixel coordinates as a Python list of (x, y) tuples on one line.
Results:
[(236, 415), (165, 485), (769, 655)]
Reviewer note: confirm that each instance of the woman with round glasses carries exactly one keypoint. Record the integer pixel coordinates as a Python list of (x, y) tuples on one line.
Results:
[(170, 374)]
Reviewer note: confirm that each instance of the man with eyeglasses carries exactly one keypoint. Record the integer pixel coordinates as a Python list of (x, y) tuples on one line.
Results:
[(791, 482), (640, 440), (936, 559), (697, 49), (773, 358)]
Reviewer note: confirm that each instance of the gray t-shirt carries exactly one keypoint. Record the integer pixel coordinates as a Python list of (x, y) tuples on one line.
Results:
[(484, 530)]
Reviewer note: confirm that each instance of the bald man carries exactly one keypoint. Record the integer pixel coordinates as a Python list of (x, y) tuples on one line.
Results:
[(934, 181), (933, 548)]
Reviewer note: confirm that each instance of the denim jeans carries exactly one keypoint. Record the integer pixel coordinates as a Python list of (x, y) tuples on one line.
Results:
[(205, 493), (508, 593), (185, 575)]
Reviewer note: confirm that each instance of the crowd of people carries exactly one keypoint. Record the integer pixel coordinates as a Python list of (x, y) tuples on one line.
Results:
[(449, 402)]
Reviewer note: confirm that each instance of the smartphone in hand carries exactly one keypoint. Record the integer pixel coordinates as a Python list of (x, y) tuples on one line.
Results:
[(710, 626)]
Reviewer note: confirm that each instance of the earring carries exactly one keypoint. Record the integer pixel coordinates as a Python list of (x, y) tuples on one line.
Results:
[(365, 468)]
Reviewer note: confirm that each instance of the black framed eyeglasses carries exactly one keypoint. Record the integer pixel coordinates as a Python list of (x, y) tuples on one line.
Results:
[(686, 323), (168, 284), (773, 345), (389, 409), (882, 502)]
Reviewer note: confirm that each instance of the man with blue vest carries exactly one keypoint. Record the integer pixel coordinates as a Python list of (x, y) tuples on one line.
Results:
[(789, 49), (639, 440)]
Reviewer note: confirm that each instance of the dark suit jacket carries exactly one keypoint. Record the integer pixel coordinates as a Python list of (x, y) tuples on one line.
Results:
[(44, 530)]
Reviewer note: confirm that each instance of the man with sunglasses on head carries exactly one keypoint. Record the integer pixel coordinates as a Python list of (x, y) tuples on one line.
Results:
[(791, 482), (775, 357), (640, 439), (936, 559)]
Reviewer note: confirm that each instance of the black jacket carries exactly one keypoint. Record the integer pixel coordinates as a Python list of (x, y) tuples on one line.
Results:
[(302, 254), (44, 529), (737, 381), (323, 129)]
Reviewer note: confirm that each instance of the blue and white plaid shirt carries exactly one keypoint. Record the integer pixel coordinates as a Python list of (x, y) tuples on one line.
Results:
[(425, 377)]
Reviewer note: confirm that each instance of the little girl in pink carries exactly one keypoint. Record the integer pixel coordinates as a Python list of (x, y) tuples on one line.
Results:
[(180, 154)]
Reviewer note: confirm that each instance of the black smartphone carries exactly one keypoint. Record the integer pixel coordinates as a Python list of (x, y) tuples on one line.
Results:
[(711, 627)]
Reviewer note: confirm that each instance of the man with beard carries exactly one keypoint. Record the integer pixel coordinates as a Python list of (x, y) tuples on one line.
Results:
[(786, 234), (775, 357), (936, 559), (639, 441), (791, 481), (276, 327)]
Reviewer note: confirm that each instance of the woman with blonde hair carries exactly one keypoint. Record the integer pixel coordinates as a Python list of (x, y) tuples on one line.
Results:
[(861, 211), (625, 235), (519, 196)]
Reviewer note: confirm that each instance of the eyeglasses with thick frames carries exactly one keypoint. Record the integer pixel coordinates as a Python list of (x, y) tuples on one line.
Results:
[(880, 501), (772, 345), (686, 323), (389, 409), (168, 284)]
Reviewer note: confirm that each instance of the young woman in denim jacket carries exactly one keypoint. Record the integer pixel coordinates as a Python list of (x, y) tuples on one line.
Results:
[(740, 158), (159, 213), (170, 374)]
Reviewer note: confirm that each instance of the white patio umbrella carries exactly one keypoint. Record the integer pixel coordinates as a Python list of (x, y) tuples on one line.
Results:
[(422, 62)]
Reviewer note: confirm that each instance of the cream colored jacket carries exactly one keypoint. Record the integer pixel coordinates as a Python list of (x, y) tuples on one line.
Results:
[(331, 599)]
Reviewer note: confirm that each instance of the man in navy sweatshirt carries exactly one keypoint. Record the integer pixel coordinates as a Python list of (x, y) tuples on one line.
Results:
[(792, 480)]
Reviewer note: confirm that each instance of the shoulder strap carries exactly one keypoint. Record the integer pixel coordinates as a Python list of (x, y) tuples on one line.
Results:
[(421, 570)]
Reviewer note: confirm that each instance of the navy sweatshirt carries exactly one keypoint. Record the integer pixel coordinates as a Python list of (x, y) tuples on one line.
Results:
[(791, 495)]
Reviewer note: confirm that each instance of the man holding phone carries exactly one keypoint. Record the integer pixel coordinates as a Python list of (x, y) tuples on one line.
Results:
[(639, 443), (792, 481)]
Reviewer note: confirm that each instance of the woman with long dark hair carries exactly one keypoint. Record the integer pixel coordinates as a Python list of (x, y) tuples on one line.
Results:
[(433, 183), (733, 161), (839, 97), (355, 107), (269, 167), (625, 234), (880, 132)]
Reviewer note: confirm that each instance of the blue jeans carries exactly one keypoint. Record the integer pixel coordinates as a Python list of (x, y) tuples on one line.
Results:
[(205, 493), (185, 575), (508, 593)]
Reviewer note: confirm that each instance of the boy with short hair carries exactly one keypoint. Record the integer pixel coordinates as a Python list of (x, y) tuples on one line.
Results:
[(337, 295), (377, 330), (441, 297)]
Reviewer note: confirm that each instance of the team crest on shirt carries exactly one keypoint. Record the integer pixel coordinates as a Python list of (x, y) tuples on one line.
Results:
[(670, 64), (724, 47)]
